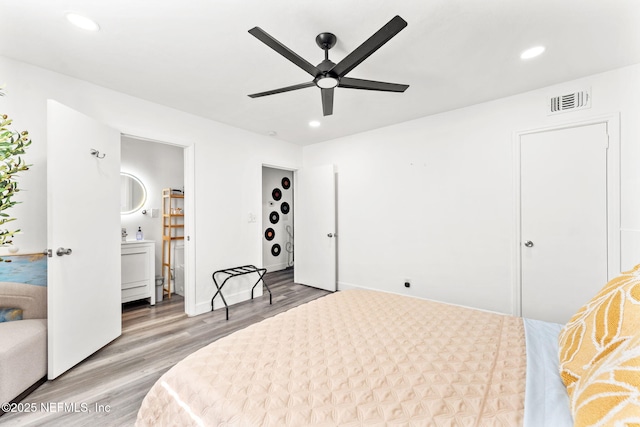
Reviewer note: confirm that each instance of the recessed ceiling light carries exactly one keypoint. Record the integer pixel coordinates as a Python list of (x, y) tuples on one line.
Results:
[(532, 52), (82, 22), (314, 123)]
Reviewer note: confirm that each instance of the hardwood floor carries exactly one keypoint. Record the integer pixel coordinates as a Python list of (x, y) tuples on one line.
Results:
[(107, 388)]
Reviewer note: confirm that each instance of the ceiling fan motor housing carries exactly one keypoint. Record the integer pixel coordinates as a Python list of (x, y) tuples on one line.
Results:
[(325, 72), (326, 40)]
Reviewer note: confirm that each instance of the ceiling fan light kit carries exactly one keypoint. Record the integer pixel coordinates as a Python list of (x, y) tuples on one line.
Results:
[(328, 75), (326, 82)]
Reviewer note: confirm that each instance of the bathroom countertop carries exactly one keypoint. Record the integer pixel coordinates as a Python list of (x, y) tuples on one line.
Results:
[(129, 242)]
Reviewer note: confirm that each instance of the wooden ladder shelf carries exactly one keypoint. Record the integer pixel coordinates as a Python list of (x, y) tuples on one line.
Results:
[(172, 230)]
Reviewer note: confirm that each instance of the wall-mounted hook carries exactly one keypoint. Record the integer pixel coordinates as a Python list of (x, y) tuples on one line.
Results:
[(96, 153)]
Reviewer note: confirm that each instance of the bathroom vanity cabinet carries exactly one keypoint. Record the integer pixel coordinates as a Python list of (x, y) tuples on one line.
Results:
[(138, 270)]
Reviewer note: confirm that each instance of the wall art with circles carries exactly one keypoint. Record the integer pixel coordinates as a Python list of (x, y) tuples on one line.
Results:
[(275, 250), (277, 218), (286, 183), (269, 234)]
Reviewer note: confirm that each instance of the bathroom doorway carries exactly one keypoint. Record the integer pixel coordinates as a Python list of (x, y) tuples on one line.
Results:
[(157, 166), (277, 219)]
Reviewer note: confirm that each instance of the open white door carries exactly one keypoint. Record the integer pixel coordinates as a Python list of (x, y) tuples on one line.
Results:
[(315, 227), (83, 219)]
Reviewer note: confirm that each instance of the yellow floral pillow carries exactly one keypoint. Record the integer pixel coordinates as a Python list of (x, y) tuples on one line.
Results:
[(599, 327), (608, 394)]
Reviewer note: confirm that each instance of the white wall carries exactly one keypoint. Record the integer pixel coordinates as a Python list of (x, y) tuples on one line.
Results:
[(222, 236), (432, 199), (157, 166)]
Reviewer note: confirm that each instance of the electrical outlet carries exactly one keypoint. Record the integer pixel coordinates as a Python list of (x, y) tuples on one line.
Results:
[(407, 283)]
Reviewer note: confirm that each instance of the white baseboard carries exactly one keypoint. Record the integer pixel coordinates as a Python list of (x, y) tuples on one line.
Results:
[(276, 267), (343, 286), (202, 307), (205, 306)]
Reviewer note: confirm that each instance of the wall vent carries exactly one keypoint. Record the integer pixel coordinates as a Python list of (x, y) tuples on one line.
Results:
[(570, 102)]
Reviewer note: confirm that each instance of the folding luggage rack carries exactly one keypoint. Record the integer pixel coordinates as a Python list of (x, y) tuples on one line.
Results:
[(235, 272)]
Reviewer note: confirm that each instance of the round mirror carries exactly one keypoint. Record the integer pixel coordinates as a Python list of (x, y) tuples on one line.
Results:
[(133, 195)]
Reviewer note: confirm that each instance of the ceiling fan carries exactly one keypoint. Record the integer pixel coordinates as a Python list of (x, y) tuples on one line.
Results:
[(328, 75)]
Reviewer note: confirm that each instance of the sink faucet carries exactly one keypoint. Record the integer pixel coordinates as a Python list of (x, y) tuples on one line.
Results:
[(124, 234)]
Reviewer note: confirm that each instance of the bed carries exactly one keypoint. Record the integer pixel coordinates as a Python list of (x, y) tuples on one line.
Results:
[(361, 357)]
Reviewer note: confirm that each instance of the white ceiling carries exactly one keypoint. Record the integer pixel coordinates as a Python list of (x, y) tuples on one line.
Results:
[(197, 56)]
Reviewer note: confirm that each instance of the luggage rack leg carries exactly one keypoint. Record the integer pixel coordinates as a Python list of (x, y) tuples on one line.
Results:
[(226, 306), (261, 272)]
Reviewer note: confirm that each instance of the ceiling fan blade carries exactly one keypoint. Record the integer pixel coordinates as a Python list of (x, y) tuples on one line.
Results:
[(372, 44), (350, 83), (327, 102), (274, 44), (282, 89)]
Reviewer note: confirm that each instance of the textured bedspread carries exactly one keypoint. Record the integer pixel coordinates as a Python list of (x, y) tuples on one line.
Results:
[(352, 358)]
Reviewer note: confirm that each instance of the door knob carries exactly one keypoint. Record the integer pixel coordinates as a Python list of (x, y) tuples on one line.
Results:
[(330, 235), (528, 244), (63, 251)]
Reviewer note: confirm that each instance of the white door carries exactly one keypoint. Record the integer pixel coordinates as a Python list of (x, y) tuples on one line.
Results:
[(563, 220), (83, 217), (315, 227)]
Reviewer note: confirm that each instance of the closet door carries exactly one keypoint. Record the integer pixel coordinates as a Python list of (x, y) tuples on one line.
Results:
[(563, 202), (83, 233)]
